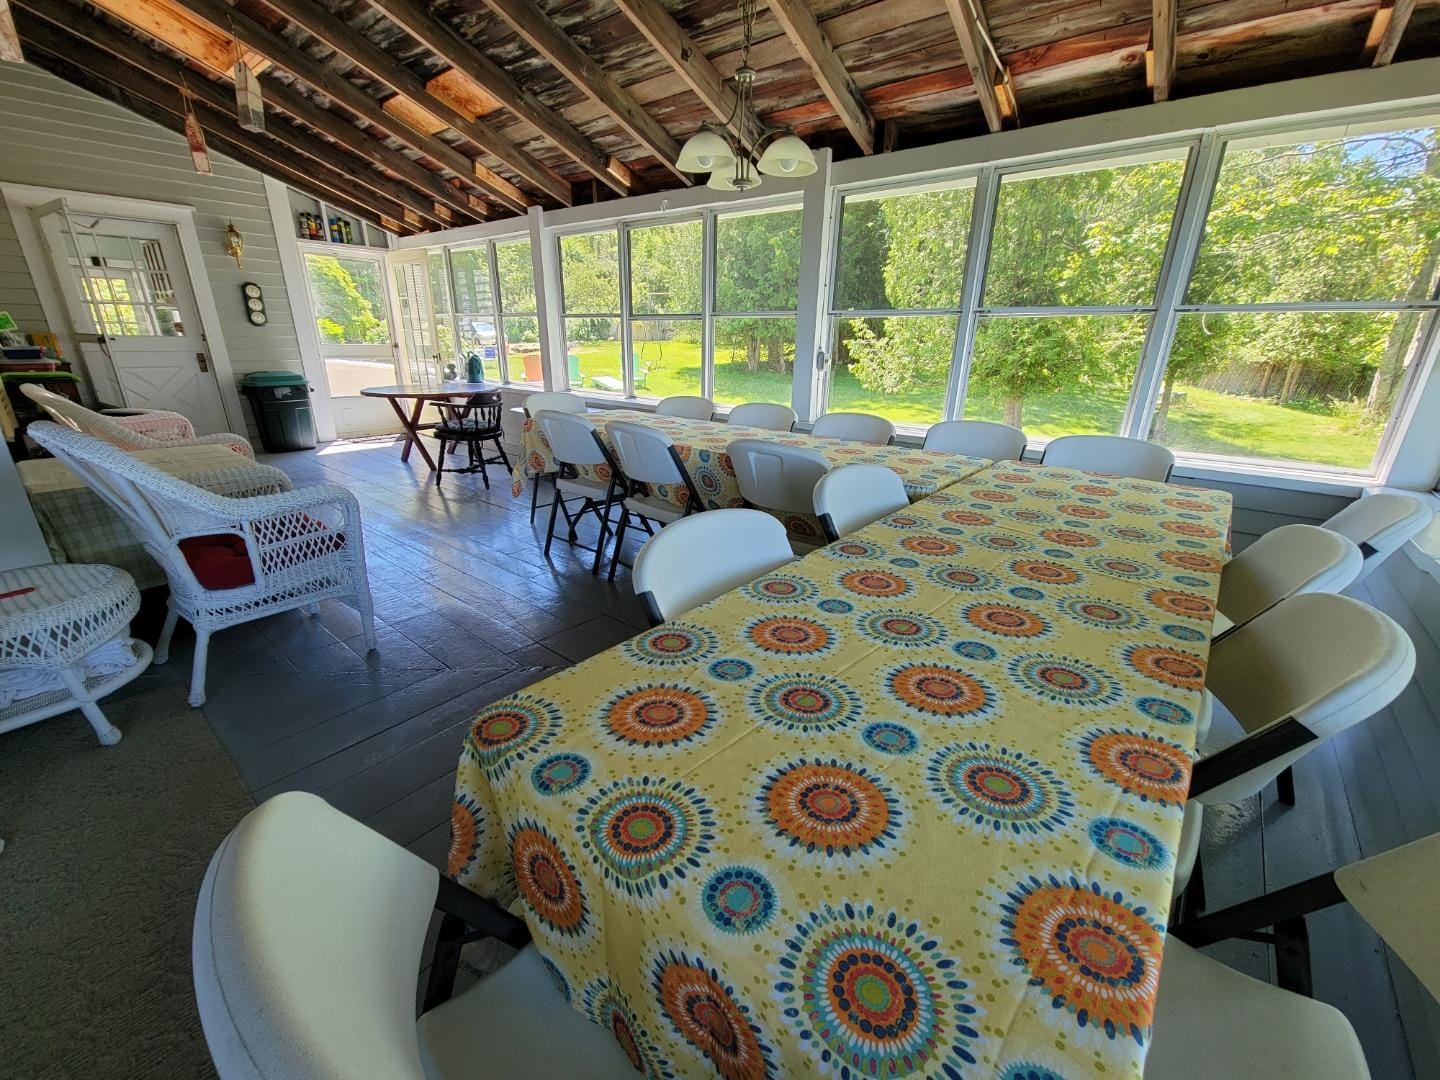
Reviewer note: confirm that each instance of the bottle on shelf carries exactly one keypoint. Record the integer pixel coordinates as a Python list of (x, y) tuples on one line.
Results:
[(345, 232), (335, 230)]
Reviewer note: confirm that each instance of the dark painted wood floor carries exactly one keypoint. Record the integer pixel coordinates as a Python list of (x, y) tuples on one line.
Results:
[(468, 610)]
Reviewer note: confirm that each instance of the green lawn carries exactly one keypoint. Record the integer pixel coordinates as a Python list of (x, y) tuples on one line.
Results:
[(1207, 422)]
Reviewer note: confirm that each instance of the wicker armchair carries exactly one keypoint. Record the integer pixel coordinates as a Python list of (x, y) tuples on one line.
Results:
[(228, 560), (147, 430)]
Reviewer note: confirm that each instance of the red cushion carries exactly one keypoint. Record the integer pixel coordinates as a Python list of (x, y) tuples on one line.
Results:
[(221, 561)]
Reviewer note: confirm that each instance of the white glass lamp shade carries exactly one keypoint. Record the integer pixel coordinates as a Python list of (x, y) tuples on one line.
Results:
[(704, 151), (724, 180), (787, 156)]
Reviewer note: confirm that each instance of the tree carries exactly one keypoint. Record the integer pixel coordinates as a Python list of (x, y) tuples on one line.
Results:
[(757, 268), (347, 294)]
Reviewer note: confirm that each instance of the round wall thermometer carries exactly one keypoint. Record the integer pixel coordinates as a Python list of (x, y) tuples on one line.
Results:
[(254, 304)]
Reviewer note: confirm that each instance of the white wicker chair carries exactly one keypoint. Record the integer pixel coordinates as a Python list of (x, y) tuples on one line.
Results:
[(260, 556), (146, 430)]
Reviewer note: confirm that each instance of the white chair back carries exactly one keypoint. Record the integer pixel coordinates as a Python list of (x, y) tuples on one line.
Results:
[(1113, 454), (1284, 562), (1398, 894), (692, 561), (645, 454), (554, 401), (1323, 660), (761, 414), (687, 406), (1380, 524), (573, 439), (856, 427), (130, 433), (977, 438), (775, 476), (309, 931), (853, 496)]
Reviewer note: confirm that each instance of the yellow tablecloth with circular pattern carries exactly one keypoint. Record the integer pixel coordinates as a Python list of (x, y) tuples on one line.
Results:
[(701, 446), (906, 807)]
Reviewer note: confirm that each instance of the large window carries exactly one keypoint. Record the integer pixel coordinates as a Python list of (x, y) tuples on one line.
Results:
[(347, 294), (705, 305), (1310, 299), (519, 324)]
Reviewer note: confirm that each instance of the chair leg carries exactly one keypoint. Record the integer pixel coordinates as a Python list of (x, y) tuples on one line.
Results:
[(504, 457), (619, 541), (197, 668), (106, 732), (477, 456), (440, 464), (1285, 787), (550, 529), (162, 647), (366, 607)]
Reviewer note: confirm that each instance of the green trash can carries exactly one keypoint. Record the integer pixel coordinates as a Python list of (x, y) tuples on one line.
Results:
[(281, 403)]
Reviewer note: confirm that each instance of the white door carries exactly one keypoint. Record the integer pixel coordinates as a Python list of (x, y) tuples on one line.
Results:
[(132, 307), (421, 355)]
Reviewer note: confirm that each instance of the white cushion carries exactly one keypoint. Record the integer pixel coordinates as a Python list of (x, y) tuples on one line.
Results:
[(515, 1024), (1213, 1022)]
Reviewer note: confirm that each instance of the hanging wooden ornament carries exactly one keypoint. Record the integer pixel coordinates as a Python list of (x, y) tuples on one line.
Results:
[(195, 135), (9, 37), (249, 101)]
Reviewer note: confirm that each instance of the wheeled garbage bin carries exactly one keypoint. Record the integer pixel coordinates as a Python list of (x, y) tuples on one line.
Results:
[(281, 402)]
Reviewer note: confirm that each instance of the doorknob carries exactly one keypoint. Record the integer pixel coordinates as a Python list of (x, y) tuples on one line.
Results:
[(200, 359)]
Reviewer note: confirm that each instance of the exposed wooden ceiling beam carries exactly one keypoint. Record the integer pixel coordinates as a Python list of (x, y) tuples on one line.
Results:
[(378, 64), (1387, 27), (70, 16), (671, 41), (75, 60), (168, 22), (798, 22), (256, 36), (1161, 57), (993, 86), (586, 74), (417, 21)]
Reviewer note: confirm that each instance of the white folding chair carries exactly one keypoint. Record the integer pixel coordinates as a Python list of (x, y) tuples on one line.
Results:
[(761, 414), (554, 401), (646, 457), (575, 443), (307, 946), (856, 427), (699, 558), (1380, 524), (853, 496), (977, 438), (228, 560), (1284, 562), (687, 406), (1212, 1021), (1300, 673), (776, 477), (1114, 454)]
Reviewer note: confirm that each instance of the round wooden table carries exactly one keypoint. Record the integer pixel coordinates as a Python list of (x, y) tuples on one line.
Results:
[(422, 395)]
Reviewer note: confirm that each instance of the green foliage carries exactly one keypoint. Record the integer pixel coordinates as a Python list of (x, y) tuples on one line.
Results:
[(349, 302), (665, 269)]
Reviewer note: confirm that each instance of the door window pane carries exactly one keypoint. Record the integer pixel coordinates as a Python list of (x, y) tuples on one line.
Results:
[(517, 275), (903, 251), (896, 367), (349, 300), (590, 272), (1055, 375), (665, 269), (1355, 218), (754, 359), (1095, 237), (592, 355), (470, 268), (757, 261), (666, 356), (125, 284), (1307, 387)]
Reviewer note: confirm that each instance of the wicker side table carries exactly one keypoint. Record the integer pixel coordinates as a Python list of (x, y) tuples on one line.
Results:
[(51, 619)]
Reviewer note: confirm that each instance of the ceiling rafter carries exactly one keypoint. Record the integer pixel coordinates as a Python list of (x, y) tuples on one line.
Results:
[(1386, 28), (993, 86), (589, 77), (798, 22), (380, 65), (255, 35), (70, 15), (120, 82), (417, 21), (1160, 60)]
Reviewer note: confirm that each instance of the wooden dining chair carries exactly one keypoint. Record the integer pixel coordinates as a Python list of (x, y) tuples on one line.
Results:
[(473, 424), (309, 934), (851, 497)]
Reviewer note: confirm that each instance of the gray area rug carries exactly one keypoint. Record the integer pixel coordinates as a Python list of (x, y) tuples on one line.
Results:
[(105, 849)]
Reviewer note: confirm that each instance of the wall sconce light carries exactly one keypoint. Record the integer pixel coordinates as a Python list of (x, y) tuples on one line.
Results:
[(234, 244)]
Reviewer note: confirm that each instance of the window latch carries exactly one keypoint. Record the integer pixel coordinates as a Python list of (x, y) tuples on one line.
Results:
[(819, 359)]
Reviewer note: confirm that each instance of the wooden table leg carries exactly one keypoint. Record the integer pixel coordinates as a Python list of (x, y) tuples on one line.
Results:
[(411, 424)]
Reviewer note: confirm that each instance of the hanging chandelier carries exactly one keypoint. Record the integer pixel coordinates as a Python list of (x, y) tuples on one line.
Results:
[(717, 149)]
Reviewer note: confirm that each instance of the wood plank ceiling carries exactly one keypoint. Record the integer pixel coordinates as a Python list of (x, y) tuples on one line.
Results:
[(424, 115)]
